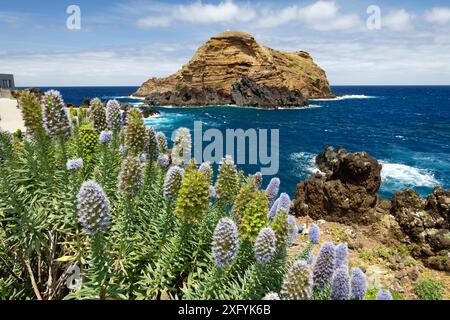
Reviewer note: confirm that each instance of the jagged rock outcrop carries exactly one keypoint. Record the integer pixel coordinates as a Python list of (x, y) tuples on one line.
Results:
[(426, 221), (345, 191), (221, 66)]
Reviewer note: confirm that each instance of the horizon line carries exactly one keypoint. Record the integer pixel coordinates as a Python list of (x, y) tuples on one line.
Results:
[(332, 85)]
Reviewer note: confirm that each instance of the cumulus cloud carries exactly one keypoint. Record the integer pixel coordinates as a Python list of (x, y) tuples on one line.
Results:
[(226, 11), (200, 13), (320, 15), (399, 20), (438, 15)]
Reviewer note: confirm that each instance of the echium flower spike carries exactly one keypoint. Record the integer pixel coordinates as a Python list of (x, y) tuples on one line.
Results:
[(384, 295), (130, 176), (284, 203), (297, 284), (265, 245), (98, 115), (93, 208), (272, 190), (227, 184), (89, 142), (181, 151), (341, 256), (113, 115), (172, 182), (205, 167), (31, 112), (105, 137), (135, 132), (56, 119), (249, 210), (162, 142), (281, 228), (74, 164), (358, 284), (257, 179), (340, 289), (193, 197), (324, 266), (225, 243), (274, 210), (314, 233), (151, 145)]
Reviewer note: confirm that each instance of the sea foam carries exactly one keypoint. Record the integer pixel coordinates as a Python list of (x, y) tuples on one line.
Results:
[(400, 176), (345, 97)]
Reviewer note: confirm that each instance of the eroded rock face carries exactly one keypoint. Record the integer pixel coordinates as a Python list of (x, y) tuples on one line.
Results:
[(248, 93), (245, 92), (345, 192), (221, 63), (426, 222)]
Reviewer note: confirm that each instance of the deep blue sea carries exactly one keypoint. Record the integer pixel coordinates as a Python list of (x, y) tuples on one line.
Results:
[(407, 128)]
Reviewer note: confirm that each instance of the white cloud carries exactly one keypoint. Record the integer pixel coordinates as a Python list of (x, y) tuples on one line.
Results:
[(438, 15), (320, 10), (399, 20), (226, 11), (199, 13), (118, 66), (321, 15), (344, 22), (376, 59), (154, 22)]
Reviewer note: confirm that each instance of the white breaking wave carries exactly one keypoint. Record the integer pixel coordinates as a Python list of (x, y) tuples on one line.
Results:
[(345, 97), (305, 163), (311, 106), (404, 176)]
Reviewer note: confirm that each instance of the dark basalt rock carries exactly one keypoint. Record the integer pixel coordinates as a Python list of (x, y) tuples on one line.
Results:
[(148, 112), (188, 97), (245, 93), (426, 222), (346, 192)]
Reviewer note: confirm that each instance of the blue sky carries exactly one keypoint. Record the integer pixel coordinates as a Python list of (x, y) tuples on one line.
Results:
[(126, 42)]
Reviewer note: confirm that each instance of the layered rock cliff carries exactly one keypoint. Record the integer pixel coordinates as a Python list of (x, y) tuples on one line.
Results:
[(232, 68)]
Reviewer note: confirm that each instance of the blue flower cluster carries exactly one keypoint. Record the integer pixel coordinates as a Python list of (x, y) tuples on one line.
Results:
[(93, 208), (225, 243), (74, 164), (265, 245), (272, 190), (105, 137)]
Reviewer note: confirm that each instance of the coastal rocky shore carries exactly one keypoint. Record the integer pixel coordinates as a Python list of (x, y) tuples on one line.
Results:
[(346, 191), (233, 69)]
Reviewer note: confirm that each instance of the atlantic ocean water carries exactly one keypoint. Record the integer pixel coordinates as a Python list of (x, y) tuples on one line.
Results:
[(407, 128)]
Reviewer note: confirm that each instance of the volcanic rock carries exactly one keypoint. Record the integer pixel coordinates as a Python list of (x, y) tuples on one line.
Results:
[(231, 65), (426, 222), (345, 191)]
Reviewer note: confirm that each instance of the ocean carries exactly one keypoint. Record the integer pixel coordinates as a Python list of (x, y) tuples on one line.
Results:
[(407, 128)]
